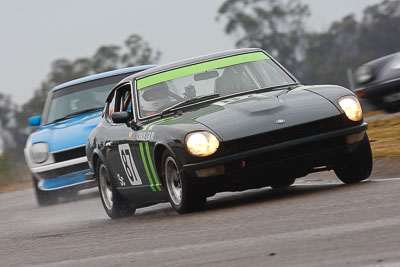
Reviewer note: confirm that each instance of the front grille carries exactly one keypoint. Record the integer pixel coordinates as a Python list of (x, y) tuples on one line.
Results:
[(73, 153), (287, 134), (64, 171), (299, 154), (299, 159)]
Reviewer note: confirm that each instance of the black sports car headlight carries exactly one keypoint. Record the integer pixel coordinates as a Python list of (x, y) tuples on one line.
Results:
[(40, 152), (351, 107), (201, 144)]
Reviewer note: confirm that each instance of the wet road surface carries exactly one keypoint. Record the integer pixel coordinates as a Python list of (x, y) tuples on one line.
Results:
[(316, 222)]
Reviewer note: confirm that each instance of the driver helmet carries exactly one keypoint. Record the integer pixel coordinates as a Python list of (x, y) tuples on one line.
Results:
[(153, 98)]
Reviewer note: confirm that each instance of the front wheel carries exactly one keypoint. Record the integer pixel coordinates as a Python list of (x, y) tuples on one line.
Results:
[(181, 193), (356, 166), (392, 109), (114, 204)]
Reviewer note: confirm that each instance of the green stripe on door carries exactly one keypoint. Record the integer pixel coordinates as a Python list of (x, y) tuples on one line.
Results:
[(145, 167), (200, 67), (152, 167)]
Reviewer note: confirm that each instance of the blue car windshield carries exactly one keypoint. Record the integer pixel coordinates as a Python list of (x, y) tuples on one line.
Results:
[(79, 99)]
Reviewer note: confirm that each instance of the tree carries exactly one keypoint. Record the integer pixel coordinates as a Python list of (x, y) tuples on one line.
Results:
[(7, 122), (380, 31), (6, 165), (277, 26), (139, 52), (329, 54), (348, 43)]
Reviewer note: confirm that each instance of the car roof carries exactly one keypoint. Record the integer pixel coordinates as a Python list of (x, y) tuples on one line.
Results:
[(190, 61), (102, 75)]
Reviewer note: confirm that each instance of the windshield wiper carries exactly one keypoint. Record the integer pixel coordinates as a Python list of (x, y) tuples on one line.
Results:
[(77, 113), (189, 101)]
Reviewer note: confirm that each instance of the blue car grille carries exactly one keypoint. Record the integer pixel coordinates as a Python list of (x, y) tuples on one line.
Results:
[(73, 153)]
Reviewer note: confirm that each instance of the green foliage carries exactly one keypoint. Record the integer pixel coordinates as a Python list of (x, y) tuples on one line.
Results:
[(348, 43), (6, 167), (329, 54), (379, 30)]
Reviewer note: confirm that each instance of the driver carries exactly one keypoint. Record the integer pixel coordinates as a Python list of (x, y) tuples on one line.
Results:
[(154, 98)]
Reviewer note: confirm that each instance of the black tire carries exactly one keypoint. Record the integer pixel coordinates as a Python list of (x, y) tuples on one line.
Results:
[(392, 109), (114, 204), (189, 199), (282, 183), (356, 166), (44, 198)]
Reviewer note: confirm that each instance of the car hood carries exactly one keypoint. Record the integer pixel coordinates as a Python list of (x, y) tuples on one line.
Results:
[(68, 133), (252, 114)]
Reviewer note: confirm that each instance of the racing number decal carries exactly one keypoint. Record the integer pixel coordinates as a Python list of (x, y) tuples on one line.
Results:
[(129, 164)]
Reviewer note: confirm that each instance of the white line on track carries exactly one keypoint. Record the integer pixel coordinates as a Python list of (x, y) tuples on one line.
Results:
[(384, 179), (330, 182)]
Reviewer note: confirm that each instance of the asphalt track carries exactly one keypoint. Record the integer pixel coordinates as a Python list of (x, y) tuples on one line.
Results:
[(316, 222)]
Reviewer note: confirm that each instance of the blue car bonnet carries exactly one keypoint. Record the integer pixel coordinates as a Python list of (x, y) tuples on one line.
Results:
[(68, 133)]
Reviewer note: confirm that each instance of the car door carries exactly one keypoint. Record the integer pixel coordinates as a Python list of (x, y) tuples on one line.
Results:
[(119, 138), (125, 154)]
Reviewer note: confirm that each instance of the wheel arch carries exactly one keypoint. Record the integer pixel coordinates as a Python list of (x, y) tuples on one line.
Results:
[(97, 155), (158, 152), (159, 149)]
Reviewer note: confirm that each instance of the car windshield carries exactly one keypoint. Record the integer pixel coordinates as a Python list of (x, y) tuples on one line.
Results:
[(79, 99), (223, 77)]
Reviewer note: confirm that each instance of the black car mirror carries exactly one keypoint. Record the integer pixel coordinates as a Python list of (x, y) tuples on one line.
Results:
[(121, 117)]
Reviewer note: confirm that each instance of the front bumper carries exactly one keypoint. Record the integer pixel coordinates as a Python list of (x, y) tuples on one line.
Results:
[(63, 174), (295, 158)]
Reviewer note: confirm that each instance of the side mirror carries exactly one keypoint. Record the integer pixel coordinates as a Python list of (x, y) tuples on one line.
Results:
[(34, 121), (121, 117)]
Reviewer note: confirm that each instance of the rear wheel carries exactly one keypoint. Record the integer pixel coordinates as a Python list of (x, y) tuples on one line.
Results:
[(114, 204), (181, 193), (356, 166), (44, 198), (282, 183)]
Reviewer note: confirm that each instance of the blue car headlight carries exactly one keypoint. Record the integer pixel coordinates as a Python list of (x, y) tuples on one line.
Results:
[(40, 152)]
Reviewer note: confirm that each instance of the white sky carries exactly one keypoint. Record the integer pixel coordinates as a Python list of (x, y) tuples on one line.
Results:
[(34, 33)]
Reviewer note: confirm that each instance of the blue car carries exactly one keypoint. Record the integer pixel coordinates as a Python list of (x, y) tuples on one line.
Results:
[(55, 152)]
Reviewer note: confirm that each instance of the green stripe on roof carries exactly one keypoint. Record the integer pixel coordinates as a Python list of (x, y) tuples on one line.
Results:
[(200, 67), (152, 167), (145, 167)]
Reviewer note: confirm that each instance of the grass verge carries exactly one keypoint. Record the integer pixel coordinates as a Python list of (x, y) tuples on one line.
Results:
[(385, 137), (14, 186)]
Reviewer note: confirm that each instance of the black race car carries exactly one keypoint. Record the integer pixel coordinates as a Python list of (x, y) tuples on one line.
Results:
[(379, 82), (230, 121)]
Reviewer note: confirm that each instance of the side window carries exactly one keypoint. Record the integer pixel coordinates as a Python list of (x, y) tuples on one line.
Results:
[(122, 100)]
